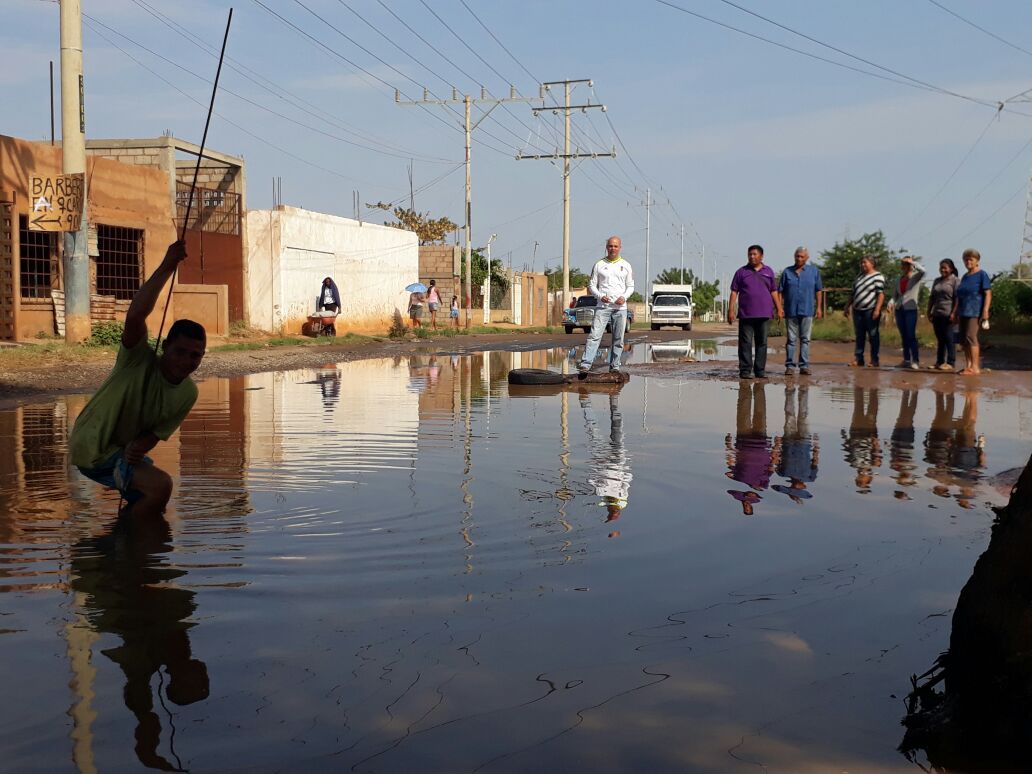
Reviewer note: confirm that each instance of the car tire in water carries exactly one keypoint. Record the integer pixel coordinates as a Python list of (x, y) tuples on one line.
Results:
[(534, 376)]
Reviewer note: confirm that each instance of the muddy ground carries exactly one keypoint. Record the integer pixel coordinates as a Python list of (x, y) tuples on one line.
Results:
[(1008, 360)]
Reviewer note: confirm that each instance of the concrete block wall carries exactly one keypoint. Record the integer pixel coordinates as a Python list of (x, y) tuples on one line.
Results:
[(441, 263)]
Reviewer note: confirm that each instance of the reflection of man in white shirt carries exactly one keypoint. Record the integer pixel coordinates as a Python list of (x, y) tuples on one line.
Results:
[(612, 283), (610, 475)]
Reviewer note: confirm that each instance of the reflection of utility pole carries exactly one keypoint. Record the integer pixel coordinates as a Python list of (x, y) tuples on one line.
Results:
[(566, 107), (467, 102), (467, 469)]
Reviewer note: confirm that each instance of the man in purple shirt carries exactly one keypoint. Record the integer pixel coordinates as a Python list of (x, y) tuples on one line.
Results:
[(756, 292)]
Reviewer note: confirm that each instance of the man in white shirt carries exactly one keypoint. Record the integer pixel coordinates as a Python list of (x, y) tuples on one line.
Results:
[(612, 283)]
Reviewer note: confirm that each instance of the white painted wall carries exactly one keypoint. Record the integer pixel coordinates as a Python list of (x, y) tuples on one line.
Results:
[(290, 250)]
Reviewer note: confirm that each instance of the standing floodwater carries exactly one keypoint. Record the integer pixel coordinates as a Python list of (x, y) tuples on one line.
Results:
[(400, 565)]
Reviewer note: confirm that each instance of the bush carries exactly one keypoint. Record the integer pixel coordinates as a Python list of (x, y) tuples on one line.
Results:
[(397, 329), (1011, 299), (107, 333)]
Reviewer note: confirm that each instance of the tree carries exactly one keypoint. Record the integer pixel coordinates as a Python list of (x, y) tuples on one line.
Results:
[(636, 298), (703, 293), (840, 265), (428, 230), (578, 279), (499, 277)]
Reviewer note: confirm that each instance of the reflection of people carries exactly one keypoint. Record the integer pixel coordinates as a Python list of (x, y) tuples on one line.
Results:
[(861, 445), (415, 308), (749, 459), (610, 465), (756, 291), (329, 301), (865, 307), (612, 283), (799, 286), (143, 400), (128, 593), (901, 443), (940, 308), (953, 448), (329, 385), (797, 452), (974, 297), (905, 303), (433, 300)]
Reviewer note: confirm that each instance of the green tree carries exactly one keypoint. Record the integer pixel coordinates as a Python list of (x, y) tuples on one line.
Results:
[(840, 265), (428, 230), (499, 277), (703, 293), (578, 279), (636, 297)]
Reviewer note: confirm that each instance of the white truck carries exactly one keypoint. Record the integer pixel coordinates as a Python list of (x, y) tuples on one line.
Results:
[(671, 305)]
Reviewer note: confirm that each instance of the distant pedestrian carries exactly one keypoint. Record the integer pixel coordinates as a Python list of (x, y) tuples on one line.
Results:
[(971, 309), (865, 307), (756, 291), (904, 304), (453, 312), (433, 300), (612, 283), (800, 287), (415, 308), (329, 302), (940, 308)]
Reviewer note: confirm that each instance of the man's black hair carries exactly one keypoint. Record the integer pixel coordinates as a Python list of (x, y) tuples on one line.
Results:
[(187, 328), (754, 247)]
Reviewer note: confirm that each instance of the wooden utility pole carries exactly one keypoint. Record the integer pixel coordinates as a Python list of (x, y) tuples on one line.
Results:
[(566, 107), (467, 103)]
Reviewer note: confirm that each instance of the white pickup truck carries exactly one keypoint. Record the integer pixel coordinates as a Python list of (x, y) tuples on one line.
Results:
[(671, 305)]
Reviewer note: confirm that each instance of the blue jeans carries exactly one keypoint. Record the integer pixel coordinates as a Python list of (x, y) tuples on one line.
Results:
[(604, 315), (906, 321), (866, 327), (798, 331), (752, 346)]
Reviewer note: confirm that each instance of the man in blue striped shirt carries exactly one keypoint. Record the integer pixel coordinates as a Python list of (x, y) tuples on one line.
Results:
[(865, 305), (799, 286)]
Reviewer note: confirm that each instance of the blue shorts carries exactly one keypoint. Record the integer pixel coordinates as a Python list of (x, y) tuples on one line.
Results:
[(116, 473), (453, 313)]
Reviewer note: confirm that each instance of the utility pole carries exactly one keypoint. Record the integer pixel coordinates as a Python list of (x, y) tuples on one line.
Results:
[(467, 103), (566, 107), (73, 161), (648, 224), (1025, 254), (682, 253)]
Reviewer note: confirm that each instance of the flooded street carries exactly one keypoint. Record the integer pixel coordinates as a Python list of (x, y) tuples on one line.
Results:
[(402, 564)]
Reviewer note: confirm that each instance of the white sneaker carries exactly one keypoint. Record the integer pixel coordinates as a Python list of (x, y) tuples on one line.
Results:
[(915, 366)]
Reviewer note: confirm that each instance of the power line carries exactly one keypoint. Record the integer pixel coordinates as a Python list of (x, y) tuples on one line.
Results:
[(992, 215), (980, 28), (502, 45)]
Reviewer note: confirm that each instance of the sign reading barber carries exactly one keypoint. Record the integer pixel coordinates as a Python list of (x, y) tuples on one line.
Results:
[(55, 202)]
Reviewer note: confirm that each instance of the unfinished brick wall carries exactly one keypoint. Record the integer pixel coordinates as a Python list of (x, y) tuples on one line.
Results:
[(441, 263)]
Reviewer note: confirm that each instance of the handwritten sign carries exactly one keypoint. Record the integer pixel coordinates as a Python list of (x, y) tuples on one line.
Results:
[(55, 202)]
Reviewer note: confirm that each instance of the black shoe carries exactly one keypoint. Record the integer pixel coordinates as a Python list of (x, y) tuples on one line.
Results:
[(804, 371), (761, 375), (745, 376)]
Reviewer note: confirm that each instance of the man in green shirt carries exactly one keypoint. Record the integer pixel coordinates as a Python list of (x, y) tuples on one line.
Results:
[(143, 400)]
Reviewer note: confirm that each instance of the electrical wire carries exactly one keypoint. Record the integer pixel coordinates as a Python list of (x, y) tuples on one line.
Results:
[(502, 45), (991, 215), (980, 29)]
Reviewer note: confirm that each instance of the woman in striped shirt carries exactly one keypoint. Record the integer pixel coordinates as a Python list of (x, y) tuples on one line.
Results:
[(865, 306)]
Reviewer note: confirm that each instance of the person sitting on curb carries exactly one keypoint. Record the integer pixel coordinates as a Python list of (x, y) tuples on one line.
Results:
[(143, 401)]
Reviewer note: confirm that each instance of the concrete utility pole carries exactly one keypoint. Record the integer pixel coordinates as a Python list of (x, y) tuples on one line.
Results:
[(467, 102), (1025, 254), (566, 107), (73, 161), (648, 277), (682, 253)]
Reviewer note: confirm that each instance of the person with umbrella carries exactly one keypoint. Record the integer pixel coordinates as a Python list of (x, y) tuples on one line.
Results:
[(416, 291)]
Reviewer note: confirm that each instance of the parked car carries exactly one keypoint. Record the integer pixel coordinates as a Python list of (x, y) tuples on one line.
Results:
[(582, 313)]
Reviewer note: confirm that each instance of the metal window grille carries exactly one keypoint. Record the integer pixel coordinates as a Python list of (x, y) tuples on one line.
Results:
[(118, 261), (213, 211), (38, 253)]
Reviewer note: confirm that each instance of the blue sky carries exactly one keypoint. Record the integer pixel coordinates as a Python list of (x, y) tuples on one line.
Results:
[(739, 140)]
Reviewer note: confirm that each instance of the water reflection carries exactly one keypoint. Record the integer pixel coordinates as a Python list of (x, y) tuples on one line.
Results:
[(749, 452), (863, 450), (797, 450), (610, 474), (954, 449), (126, 587), (901, 444)]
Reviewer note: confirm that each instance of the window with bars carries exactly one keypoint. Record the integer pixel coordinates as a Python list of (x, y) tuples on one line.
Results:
[(38, 267), (118, 261)]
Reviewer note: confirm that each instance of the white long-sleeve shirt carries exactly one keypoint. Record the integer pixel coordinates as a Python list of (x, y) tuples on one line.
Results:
[(613, 279)]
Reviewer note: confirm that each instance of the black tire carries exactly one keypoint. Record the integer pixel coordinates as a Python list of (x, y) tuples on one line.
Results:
[(655, 327), (568, 328), (534, 376), (585, 330), (687, 327)]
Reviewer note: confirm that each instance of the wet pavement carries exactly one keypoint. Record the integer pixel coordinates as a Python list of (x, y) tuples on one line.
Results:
[(397, 565)]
